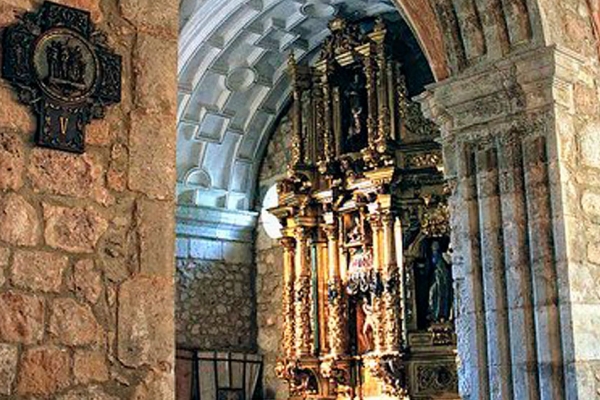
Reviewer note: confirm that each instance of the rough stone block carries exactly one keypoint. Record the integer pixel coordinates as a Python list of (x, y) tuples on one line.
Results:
[(74, 324), (203, 249), (114, 257), (237, 253), (155, 66), (4, 256), (590, 202), (75, 230), (44, 371), (22, 318), (152, 162), (14, 116), (156, 385), (90, 366), (102, 132), (149, 13), (89, 393), (145, 323), (590, 146), (12, 161), (8, 367), (586, 319), (593, 252), (74, 175), (86, 282), (116, 177), (4, 260), (38, 270), (156, 221), (19, 223)]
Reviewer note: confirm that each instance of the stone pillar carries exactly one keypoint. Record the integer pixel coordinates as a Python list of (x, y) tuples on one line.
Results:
[(468, 280), (494, 285), (87, 240), (514, 139), (302, 287), (518, 274), (289, 246)]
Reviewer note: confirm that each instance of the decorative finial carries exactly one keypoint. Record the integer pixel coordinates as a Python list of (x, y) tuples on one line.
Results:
[(337, 24), (292, 59)]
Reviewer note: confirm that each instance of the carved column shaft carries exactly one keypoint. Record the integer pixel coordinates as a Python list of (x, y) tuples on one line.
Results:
[(302, 299), (298, 141), (328, 144), (493, 277), (378, 306), (543, 267), (518, 273), (336, 321), (382, 96), (288, 244), (370, 72), (391, 279)]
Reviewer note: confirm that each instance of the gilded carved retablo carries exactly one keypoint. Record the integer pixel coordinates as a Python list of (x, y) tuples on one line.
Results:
[(368, 301)]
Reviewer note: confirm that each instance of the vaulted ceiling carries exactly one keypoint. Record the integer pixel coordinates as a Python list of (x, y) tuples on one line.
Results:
[(233, 85)]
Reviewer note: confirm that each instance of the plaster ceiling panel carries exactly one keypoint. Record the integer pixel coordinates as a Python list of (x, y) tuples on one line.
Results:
[(283, 11), (260, 121), (266, 67), (212, 128), (211, 88), (240, 176), (242, 52), (230, 28), (183, 97), (278, 94), (218, 159), (198, 178), (199, 64), (244, 105), (188, 150), (247, 148)]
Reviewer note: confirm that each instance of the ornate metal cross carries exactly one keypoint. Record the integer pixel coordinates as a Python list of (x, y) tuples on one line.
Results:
[(61, 67)]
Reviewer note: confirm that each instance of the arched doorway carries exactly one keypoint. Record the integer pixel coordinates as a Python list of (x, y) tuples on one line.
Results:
[(504, 149)]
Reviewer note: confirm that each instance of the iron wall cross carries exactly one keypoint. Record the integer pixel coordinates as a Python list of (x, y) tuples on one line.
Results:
[(61, 67)]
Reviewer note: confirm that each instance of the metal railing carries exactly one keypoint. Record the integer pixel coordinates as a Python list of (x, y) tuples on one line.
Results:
[(202, 375)]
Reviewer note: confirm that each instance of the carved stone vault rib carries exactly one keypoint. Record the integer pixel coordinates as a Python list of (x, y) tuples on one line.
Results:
[(232, 84)]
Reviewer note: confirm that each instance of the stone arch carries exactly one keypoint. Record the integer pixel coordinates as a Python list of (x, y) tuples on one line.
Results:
[(511, 78)]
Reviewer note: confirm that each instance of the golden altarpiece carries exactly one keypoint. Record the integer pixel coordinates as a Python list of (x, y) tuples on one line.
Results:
[(367, 297)]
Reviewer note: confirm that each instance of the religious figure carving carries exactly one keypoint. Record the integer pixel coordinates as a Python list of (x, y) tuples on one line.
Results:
[(365, 323), (354, 113), (440, 293)]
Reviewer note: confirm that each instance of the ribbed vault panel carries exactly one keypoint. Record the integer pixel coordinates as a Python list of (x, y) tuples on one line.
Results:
[(233, 84)]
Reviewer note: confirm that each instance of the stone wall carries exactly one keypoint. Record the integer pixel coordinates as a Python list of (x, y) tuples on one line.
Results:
[(87, 241), (215, 303), (269, 265)]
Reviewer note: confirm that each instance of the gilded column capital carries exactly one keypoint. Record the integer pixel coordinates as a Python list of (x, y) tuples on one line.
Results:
[(288, 243), (331, 231)]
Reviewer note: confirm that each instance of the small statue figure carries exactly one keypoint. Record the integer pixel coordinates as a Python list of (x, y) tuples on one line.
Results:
[(355, 234), (356, 127), (440, 293)]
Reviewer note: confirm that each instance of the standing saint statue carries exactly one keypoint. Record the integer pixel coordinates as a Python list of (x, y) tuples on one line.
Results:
[(440, 292)]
